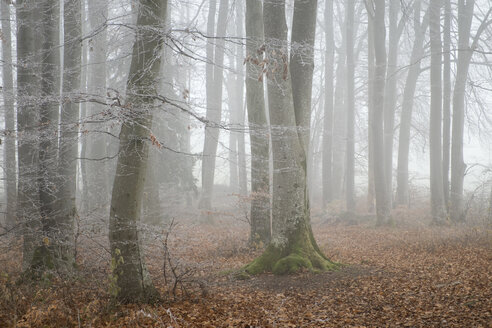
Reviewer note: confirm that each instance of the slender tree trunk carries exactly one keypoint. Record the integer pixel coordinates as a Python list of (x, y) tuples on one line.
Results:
[(293, 245), (260, 175), (67, 165), (130, 279), (84, 191), (328, 110), (241, 146), (350, 103), (27, 120), (458, 167), (435, 124), (10, 171), (98, 169), (339, 126), (390, 97), (446, 129), (214, 101), (402, 194), (380, 186), (370, 105)]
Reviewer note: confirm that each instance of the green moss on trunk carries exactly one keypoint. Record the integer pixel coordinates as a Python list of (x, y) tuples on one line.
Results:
[(301, 253)]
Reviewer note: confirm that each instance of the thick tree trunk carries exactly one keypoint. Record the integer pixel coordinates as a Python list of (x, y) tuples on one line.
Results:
[(435, 124), (214, 102), (328, 110), (49, 115), (260, 176), (10, 171), (402, 194), (350, 103), (293, 246), (382, 206), (27, 119), (130, 279)]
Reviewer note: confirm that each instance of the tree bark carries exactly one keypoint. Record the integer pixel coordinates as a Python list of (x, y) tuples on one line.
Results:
[(260, 174), (130, 279), (293, 245), (10, 171), (435, 124), (214, 101)]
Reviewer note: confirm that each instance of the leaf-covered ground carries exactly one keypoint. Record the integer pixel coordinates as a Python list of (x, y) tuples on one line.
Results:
[(418, 276)]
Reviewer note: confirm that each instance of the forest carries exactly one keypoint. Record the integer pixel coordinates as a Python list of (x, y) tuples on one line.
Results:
[(246, 163)]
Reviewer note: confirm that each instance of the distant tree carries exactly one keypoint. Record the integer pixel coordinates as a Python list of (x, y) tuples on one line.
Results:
[(350, 103), (328, 110), (215, 77), (435, 124), (377, 11), (414, 70), (465, 53)]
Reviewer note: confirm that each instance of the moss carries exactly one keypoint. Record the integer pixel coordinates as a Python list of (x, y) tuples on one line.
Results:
[(264, 262), (292, 264)]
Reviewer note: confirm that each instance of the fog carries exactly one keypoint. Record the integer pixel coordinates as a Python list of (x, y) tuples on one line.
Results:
[(156, 147)]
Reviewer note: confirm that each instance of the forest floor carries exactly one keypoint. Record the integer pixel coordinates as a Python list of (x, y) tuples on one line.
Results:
[(403, 276)]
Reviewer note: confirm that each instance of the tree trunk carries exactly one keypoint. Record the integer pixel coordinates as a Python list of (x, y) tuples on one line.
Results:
[(214, 101), (380, 186), (241, 146), (10, 171), (27, 119), (370, 105), (339, 126), (458, 167), (96, 140), (435, 124), (293, 245), (350, 103), (130, 279), (260, 176), (390, 97), (50, 89), (446, 97), (328, 110), (402, 194), (67, 164)]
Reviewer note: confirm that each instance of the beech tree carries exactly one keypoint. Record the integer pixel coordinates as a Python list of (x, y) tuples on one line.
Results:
[(293, 245), (130, 279), (255, 98)]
